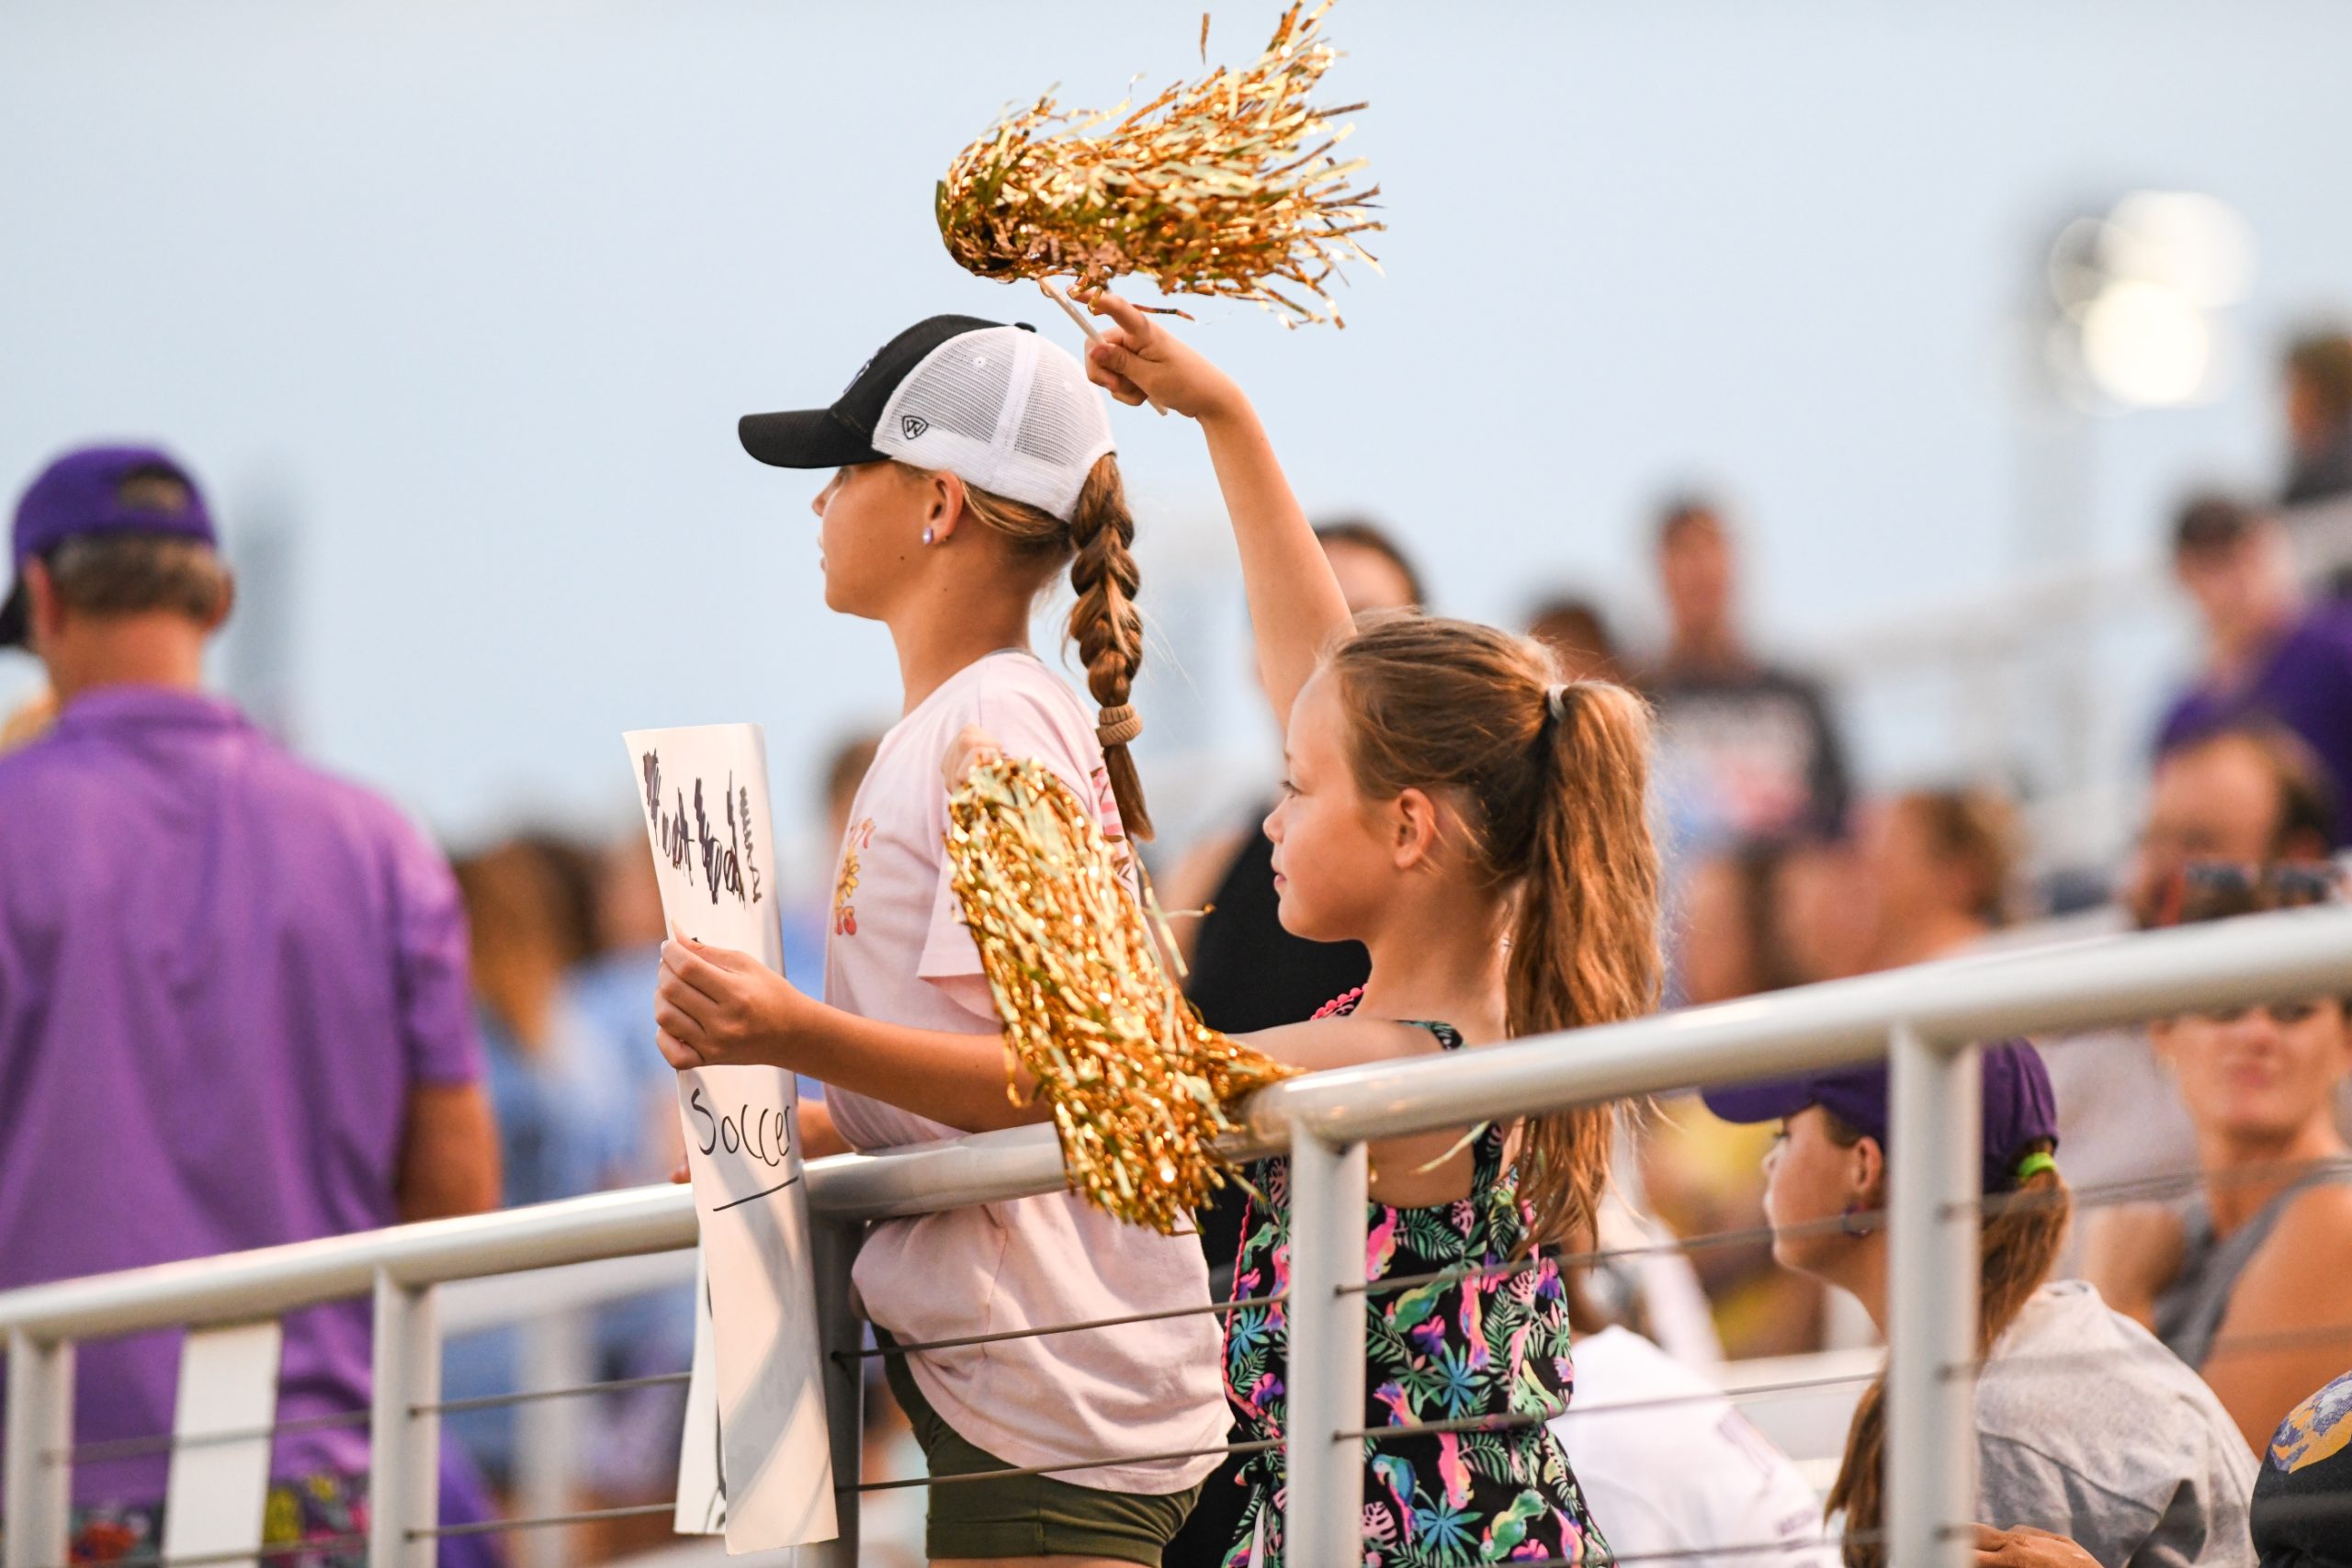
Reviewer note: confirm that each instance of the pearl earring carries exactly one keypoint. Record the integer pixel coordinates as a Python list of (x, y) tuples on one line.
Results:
[(926, 536)]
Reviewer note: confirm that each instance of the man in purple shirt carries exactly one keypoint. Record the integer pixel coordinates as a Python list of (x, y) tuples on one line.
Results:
[(2268, 656), (233, 1002)]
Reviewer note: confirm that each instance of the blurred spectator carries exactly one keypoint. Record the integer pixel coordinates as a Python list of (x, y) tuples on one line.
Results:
[(567, 1122), (1937, 868), (1732, 932), (611, 990), (1373, 570), (1670, 1466), (2267, 654), (563, 1123), (1747, 752), (2085, 1424), (575, 889), (2247, 795), (2319, 419), (1577, 636), (232, 1000), (2241, 1285)]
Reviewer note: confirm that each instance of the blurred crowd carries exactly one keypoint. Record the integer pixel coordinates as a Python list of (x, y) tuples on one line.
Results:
[(1785, 870)]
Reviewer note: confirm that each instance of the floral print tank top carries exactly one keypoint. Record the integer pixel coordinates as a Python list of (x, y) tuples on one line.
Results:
[(1490, 1344)]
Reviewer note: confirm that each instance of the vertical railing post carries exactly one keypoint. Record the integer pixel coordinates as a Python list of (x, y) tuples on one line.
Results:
[(405, 1443), (1936, 1127), (840, 1336), (40, 1484), (559, 1351), (1324, 1520)]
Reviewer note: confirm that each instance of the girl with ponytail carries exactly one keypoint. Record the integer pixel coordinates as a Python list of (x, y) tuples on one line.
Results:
[(1482, 826), (974, 466), (2086, 1427)]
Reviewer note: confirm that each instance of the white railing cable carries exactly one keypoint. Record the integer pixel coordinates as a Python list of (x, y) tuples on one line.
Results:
[(1923, 1019)]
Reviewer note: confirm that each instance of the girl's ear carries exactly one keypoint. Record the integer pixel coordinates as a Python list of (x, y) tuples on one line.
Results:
[(1414, 829), (943, 505), (1868, 1169)]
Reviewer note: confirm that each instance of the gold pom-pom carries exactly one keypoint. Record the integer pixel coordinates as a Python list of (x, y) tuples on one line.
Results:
[(1227, 185), (1137, 1082)]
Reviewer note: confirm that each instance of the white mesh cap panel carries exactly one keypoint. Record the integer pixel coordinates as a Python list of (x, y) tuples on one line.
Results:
[(1003, 410)]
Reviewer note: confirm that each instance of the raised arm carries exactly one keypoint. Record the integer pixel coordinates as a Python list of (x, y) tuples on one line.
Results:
[(1296, 606)]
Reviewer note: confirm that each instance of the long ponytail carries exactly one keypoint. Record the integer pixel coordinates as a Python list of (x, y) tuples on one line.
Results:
[(1584, 942), (2018, 1246), (1552, 782), (1097, 541)]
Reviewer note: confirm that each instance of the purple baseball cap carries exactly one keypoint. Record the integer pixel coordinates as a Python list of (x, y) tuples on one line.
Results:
[(2020, 1108), (94, 489)]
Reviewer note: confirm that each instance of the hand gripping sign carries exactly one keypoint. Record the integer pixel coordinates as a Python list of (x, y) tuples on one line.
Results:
[(705, 791)]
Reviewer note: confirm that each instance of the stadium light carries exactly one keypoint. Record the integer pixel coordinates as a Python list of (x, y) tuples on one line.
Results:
[(2141, 290)]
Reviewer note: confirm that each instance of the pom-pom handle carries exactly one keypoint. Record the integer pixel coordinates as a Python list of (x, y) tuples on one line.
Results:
[(1086, 324)]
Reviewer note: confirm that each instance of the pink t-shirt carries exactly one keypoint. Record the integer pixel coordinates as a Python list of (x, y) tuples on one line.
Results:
[(898, 951)]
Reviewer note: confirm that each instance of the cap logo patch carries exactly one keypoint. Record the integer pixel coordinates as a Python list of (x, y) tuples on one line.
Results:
[(913, 425)]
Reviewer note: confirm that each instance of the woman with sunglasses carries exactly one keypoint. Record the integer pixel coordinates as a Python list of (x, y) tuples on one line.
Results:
[(2246, 1283)]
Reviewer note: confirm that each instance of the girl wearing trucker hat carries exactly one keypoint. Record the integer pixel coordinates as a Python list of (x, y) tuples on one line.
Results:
[(2086, 1425), (973, 464)]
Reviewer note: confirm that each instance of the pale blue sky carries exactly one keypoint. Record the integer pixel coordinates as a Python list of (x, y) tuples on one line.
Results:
[(455, 307)]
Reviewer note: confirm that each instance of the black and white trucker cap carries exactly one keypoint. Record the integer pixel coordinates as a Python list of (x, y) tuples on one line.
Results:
[(997, 406)]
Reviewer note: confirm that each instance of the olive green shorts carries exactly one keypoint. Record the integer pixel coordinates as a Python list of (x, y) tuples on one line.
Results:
[(1026, 1516)]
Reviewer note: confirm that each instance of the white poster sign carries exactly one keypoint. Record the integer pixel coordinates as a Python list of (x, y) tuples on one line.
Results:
[(704, 792), (702, 1505)]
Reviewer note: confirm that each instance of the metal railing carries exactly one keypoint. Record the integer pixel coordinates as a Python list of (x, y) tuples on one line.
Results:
[(1925, 1021)]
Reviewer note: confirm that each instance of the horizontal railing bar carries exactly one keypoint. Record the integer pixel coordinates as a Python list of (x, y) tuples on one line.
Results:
[(981, 1168), (542, 1521), (2232, 962), (271, 1281), (533, 1395), (494, 1301), (268, 1282), (124, 1447)]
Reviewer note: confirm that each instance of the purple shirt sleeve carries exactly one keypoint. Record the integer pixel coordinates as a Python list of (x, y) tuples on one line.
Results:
[(437, 1022), (2186, 713)]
